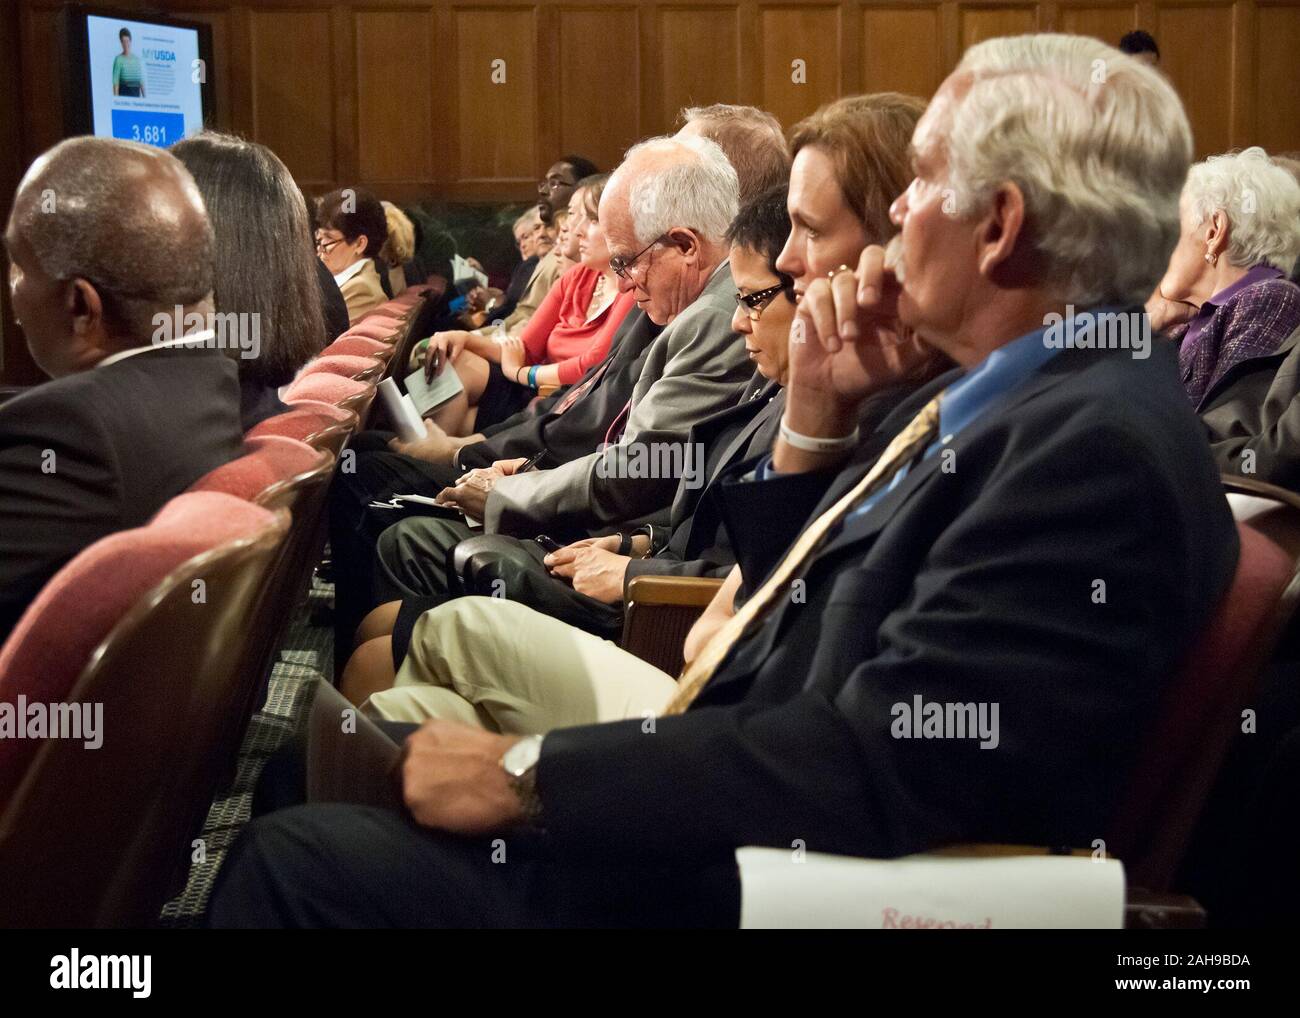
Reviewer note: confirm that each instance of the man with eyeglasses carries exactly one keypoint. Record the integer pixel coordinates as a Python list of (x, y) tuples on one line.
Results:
[(582, 584), (683, 193), (556, 188)]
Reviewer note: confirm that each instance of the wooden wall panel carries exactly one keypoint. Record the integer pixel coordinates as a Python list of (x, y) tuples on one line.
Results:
[(399, 94), (811, 36), (1107, 22), (293, 60), (395, 85), (700, 62), (42, 81), (599, 60), (1275, 76), (1196, 52), (496, 76), (902, 50), (222, 72), (988, 22)]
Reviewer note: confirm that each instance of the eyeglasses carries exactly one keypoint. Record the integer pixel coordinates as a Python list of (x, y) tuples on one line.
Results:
[(326, 246), (551, 183), (755, 303), (620, 265)]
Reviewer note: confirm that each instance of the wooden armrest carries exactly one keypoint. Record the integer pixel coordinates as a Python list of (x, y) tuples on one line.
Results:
[(660, 611), (1143, 909), (1149, 910), (686, 591)]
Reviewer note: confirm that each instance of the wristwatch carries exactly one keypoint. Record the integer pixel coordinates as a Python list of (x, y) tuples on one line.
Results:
[(520, 764)]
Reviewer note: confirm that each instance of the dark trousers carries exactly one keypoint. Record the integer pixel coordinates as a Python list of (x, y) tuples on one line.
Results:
[(342, 866), (355, 527), (424, 562)]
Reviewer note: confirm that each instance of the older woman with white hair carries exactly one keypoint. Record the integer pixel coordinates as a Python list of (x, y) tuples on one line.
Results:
[(1225, 297)]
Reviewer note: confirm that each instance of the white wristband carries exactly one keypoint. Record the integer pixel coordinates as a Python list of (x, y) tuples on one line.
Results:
[(808, 443)]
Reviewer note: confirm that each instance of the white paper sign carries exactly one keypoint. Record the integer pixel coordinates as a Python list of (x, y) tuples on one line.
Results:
[(787, 889)]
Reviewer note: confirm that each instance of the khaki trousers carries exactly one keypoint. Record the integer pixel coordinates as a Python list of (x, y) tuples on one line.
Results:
[(498, 664)]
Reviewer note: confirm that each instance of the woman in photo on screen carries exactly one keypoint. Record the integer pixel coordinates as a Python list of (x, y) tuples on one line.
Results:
[(128, 74)]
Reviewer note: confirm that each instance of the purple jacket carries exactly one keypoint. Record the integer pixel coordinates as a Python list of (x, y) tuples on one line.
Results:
[(1248, 319)]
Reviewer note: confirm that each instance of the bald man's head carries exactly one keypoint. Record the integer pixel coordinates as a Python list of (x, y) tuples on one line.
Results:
[(104, 236)]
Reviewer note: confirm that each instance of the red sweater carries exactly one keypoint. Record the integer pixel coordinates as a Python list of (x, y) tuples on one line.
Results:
[(558, 332)]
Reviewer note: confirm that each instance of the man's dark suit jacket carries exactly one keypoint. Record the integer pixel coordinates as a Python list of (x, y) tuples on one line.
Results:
[(334, 308), (117, 441), (975, 585), (696, 541), (484, 562)]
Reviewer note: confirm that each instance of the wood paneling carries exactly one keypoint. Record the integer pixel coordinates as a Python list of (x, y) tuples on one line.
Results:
[(42, 81), (1275, 74), (395, 68), (293, 61), (1107, 22), (699, 59), (902, 50), (990, 21), (496, 81), (1196, 52), (599, 60), (800, 65), (222, 47), (399, 94)]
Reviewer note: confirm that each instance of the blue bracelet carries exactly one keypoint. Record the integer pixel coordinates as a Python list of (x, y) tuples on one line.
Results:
[(532, 376)]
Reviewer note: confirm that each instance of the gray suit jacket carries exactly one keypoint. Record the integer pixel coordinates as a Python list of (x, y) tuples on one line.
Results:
[(1253, 417), (696, 367)]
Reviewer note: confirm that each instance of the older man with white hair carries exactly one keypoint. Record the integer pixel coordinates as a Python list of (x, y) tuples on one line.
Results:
[(1039, 543), (665, 214)]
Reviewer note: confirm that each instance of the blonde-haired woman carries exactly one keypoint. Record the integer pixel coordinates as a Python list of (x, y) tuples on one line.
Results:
[(400, 246)]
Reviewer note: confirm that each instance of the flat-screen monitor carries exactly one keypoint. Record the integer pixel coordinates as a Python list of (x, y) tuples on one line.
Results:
[(134, 76)]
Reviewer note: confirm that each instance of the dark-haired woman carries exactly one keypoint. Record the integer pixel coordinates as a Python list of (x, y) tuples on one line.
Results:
[(352, 228), (266, 286)]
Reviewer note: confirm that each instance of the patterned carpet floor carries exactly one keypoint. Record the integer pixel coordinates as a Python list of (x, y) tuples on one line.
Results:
[(306, 655)]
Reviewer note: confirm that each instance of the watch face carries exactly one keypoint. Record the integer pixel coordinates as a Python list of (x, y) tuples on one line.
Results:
[(522, 755)]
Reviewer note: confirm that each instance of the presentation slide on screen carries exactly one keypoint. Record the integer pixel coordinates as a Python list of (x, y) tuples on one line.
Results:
[(144, 80)]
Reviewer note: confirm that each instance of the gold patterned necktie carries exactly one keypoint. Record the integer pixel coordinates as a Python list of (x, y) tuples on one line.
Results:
[(905, 447)]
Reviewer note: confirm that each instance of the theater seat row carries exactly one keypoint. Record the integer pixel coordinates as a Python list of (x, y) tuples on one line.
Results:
[(166, 634)]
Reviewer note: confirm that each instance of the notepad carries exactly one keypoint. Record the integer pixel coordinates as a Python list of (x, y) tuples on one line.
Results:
[(794, 889), (465, 276), (428, 395)]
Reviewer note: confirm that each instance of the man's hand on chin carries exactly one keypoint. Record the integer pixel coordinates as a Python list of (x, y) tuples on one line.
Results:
[(452, 779)]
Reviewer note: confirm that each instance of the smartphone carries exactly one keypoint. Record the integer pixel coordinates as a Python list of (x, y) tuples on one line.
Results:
[(549, 543)]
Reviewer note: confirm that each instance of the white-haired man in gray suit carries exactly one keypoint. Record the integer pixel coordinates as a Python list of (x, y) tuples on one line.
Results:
[(665, 213)]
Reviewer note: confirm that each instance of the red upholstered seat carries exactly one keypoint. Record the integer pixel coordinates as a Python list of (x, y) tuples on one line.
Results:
[(321, 425), (348, 367), (54, 640), (349, 345), (1201, 707), (270, 462), (324, 387), (382, 329)]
